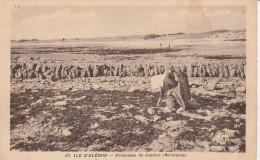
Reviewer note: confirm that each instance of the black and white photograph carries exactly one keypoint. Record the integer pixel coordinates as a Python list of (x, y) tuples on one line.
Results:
[(128, 78)]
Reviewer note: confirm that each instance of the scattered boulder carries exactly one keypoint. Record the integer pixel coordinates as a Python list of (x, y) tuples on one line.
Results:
[(233, 148), (231, 94), (127, 107), (211, 86), (60, 103), (217, 148), (95, 86), (151, 110), (94, 125), (204, 144), (156, 118), (61, 97), (66, 132), (132, 89), (237, 141), (142, 119), (241, 89)]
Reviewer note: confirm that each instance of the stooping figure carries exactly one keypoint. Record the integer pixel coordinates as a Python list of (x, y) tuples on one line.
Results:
[(175, 89)]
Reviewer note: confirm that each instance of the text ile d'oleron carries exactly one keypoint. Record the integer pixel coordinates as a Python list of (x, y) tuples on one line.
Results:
[(129, 155)]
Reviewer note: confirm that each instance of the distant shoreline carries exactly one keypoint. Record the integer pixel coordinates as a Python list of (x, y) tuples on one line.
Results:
[(130, 37)]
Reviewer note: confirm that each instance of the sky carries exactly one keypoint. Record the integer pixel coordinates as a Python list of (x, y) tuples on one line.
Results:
[(56, 22)]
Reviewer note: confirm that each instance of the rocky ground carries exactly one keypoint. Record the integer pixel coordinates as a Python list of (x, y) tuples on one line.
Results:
[(119, 114), (63, 101)]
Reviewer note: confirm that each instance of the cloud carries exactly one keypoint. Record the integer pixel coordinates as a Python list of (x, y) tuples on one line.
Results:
[(163, 15), (225, 12), (170, 15), (197, 19), (219, 13), (64, 14)]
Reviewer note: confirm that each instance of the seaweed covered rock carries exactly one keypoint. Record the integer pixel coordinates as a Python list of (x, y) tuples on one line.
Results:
[(31, 66), (96, 71), (196, 69), (122, 71), (226, 72)]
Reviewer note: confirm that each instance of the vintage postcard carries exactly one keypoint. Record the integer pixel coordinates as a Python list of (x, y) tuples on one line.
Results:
[(128, 80)]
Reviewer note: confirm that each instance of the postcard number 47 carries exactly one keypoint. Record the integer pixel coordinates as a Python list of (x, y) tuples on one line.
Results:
[(17, 6)]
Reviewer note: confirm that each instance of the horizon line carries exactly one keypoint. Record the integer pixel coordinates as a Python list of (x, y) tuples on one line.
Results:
[(98, 37)]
